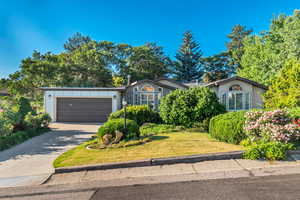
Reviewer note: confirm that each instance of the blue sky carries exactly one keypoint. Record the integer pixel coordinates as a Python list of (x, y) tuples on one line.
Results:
[(44, 25)]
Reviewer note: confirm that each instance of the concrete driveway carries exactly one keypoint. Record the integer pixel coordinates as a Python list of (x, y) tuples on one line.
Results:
[(31, 162)]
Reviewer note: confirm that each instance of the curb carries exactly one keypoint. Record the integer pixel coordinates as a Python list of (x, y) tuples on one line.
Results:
[(139, 163), (198, 158), (293, 152), (46, 179), (154, 161)]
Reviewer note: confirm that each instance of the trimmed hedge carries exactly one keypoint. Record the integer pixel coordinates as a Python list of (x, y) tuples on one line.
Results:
[(228, 127), (139, 113), (113, 125)]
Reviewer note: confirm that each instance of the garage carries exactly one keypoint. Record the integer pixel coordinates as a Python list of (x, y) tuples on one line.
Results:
[(83, 109), (67, 104)]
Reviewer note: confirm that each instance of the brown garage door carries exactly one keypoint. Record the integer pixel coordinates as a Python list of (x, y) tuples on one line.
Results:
[(83, 109)]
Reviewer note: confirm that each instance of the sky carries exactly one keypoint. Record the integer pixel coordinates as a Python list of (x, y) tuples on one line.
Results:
[(44, 25)]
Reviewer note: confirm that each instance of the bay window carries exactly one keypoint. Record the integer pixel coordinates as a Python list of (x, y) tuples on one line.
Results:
[(236, 99)]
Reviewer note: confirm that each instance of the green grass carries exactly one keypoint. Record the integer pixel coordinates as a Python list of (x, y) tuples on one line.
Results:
[(162, 145)]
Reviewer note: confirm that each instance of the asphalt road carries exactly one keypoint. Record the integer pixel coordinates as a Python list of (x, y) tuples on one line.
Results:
[(264, 188), (283, 187)]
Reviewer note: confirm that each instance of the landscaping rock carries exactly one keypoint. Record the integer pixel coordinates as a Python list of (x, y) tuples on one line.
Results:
[(118, 137), (107, 138)]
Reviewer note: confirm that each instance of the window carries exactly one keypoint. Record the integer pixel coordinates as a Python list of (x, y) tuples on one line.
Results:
[(235, 88), (237, 99), (224, 99), (247, 101), (231, 102), (147, 88)]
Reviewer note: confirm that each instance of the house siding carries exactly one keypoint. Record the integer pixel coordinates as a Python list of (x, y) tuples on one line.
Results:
[(256, 100)]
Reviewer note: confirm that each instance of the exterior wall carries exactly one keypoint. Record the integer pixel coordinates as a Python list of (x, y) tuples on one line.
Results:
[(255, 93), (257, 97), (131, 92), (50, 97), (166, 82)]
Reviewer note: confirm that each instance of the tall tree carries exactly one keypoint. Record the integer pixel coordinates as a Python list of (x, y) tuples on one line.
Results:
[(265, 54), (148, 62), (188, 65), (235, 46), (285, 89), (217, 67), (76, 41)]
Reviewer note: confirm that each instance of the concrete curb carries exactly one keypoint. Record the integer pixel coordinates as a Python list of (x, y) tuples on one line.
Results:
[(293, 152), (154, 161), (139, 163), (198, 158), (46, 179)]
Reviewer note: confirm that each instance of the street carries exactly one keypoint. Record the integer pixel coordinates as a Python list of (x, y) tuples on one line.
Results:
[(265, 188)]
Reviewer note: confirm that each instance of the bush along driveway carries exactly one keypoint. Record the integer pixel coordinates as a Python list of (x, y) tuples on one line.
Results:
[(31, 162)]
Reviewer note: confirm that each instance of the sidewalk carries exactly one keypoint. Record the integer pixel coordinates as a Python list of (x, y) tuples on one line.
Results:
[(218, 169)]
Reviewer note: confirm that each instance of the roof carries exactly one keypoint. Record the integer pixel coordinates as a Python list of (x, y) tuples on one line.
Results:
[(172, 81), (84, 88), (220, 82), (153, 82)]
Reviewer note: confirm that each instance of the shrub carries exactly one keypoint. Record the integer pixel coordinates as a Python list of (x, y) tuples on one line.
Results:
[(285, 89), (15, 111), (140, 113), (294, 113), (271, 126), (228, 127), (268, 151), (6, 127), (113, 125), (186, 107), (150, 128), (41, 120)]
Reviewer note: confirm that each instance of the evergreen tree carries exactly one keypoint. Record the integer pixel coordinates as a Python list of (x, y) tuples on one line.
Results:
[(187, 66), (76, 41), (217, 67), (235, 47)]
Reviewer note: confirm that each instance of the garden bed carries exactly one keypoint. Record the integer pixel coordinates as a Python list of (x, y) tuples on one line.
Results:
[(188, 142)]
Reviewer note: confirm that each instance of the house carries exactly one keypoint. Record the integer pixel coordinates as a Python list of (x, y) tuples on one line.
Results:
[(238, 93), (95, 104)]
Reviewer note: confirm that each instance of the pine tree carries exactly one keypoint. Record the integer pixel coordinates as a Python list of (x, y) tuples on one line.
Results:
[(235, 47), (188, 59)]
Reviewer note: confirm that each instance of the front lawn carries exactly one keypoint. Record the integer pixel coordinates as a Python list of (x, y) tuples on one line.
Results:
[(162, 145)]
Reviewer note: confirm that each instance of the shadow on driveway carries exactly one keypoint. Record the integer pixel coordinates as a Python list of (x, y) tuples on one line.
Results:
[(62, 137)]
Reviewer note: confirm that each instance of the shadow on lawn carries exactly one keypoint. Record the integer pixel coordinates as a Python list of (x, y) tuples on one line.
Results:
[(158, 137)]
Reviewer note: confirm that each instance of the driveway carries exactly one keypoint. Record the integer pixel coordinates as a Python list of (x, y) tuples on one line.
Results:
[(31, 162)]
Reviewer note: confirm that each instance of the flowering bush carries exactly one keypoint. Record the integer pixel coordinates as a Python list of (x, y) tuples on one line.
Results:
[(271, 126)]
